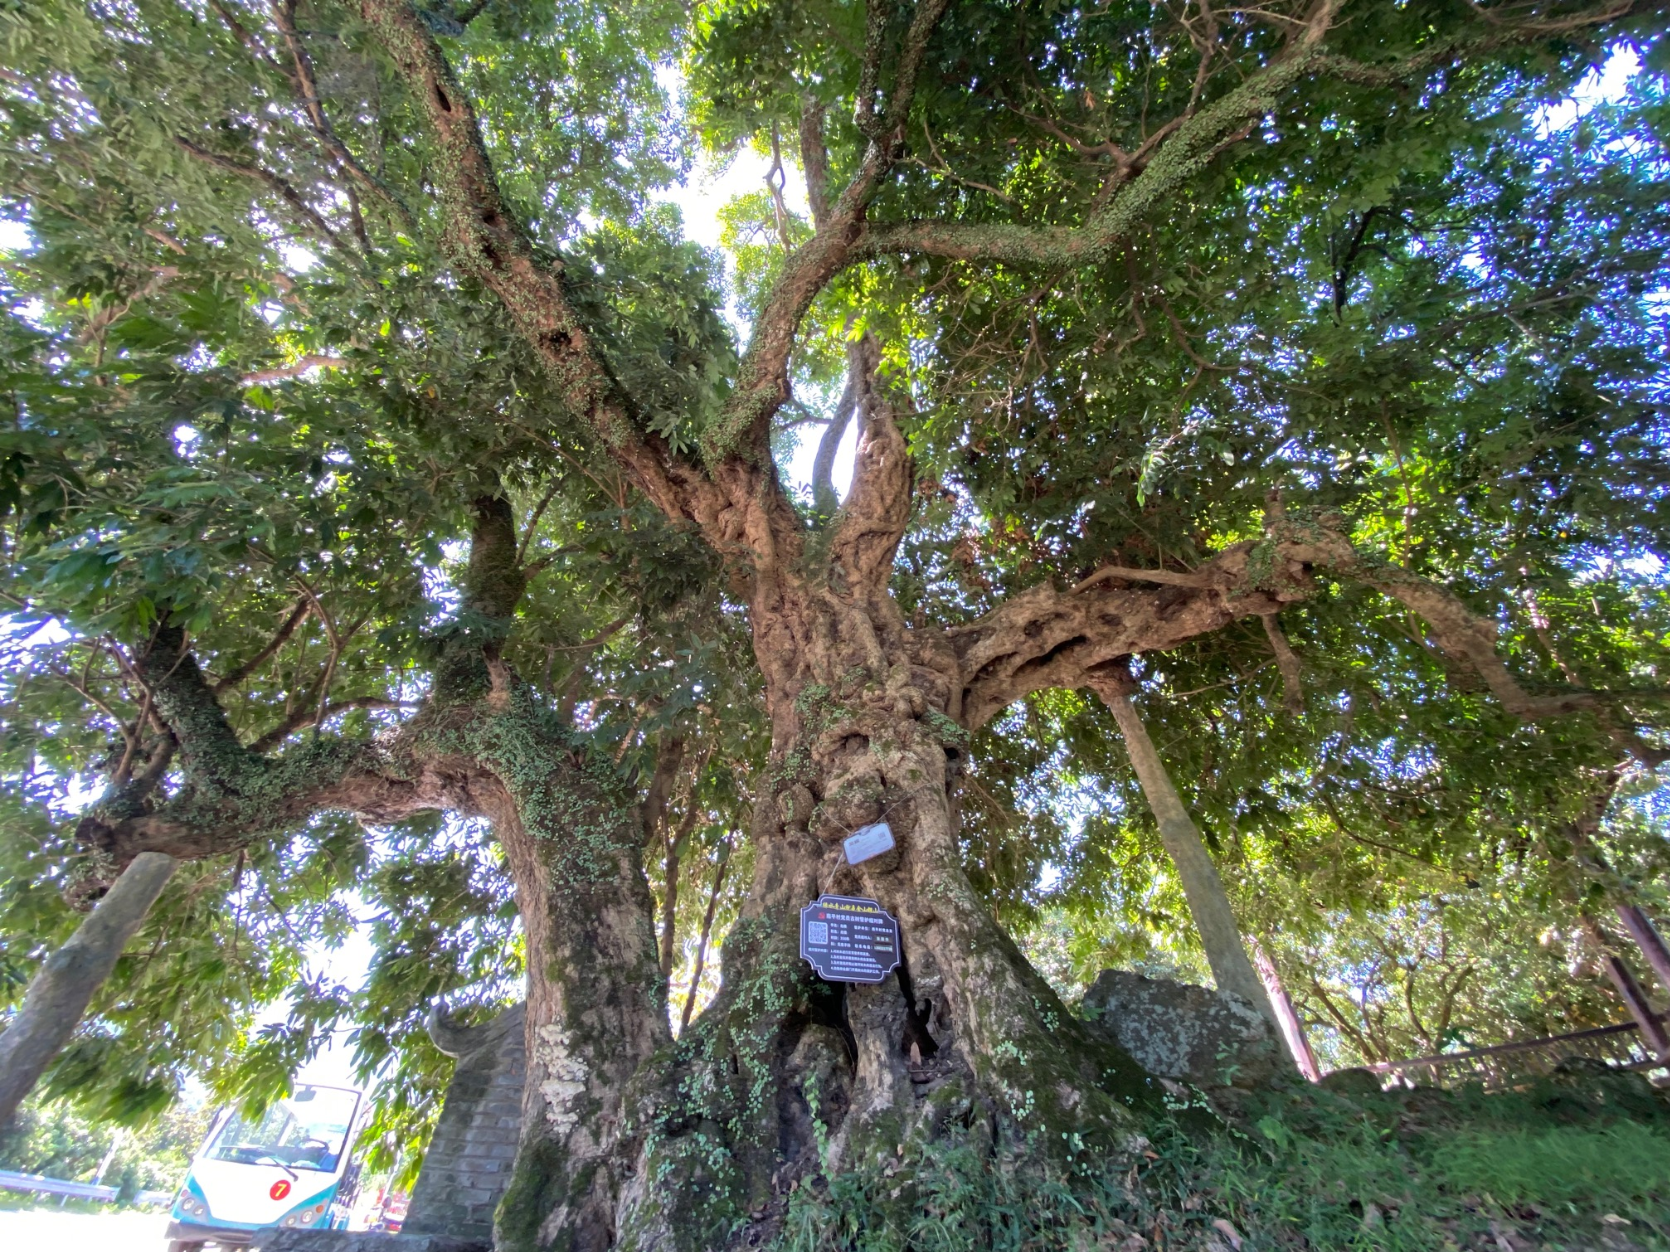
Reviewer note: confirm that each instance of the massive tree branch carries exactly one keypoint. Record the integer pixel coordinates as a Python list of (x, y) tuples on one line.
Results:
[(874, 518), (1191, 142), (485, 239), (1044, 637), (1464, 636), (1189, 149), (763, 381)]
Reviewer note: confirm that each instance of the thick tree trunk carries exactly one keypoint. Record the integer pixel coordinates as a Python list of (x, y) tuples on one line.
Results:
[(596, 1000), (795, 1077), (1209, 903), (67, 982), (786, 1077), (596, 1003)]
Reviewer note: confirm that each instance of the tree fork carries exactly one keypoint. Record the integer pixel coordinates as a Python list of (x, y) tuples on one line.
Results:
[(966, 1041)]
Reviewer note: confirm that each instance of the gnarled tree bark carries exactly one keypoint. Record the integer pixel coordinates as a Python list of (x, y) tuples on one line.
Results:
[(481, 746), (784, 1076), (797, 1077)]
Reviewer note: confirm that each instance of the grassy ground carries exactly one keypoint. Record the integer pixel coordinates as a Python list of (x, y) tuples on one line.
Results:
[(1574, 1163), (1578, 1162)]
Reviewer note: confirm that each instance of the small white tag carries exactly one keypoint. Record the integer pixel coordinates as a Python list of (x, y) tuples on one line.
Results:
[(867, 842)]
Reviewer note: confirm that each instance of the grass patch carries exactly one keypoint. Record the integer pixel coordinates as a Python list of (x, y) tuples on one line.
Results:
[(1623, 1165), (952, 1200), (1583, 1164), (1575, 1164)]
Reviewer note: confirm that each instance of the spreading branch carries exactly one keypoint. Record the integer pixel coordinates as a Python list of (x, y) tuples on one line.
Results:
[(485, 239), (1044, 637), (309, 216), (763, 379), (1144, 181), (297, 615)]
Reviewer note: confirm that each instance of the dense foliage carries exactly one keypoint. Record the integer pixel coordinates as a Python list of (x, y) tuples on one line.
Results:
[(260, 380)]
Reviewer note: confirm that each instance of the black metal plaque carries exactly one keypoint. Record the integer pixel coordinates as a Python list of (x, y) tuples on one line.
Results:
[(849, 939)]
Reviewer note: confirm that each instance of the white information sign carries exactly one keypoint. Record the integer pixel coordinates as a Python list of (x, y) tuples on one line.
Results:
[(867, 842)]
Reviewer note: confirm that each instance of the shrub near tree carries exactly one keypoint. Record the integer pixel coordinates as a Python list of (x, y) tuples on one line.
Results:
[(1285, 380)]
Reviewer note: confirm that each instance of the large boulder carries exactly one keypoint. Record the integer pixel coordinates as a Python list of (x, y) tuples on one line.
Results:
[(1353, 1081), (1186, 1033)]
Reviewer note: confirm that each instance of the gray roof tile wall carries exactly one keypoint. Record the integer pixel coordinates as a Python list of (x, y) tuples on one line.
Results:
[(467, 1168)]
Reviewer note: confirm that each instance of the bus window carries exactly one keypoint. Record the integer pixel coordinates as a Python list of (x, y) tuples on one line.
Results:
[(306, 1131)]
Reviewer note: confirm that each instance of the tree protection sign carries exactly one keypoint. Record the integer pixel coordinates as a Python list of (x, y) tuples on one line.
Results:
[(849, 939)]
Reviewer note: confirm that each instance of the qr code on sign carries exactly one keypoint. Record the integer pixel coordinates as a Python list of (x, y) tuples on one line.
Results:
[(817, 933)]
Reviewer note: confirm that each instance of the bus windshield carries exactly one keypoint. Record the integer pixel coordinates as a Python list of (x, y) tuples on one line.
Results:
[(306, 1131)]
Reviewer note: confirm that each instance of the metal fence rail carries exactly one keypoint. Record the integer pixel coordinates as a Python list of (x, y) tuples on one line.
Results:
[(78, 1190), (1618, 1046)]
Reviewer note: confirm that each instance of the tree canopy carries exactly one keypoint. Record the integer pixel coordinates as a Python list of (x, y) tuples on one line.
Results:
[(399, 534)]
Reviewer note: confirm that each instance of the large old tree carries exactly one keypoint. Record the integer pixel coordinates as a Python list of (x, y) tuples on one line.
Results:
[(1292, 349)]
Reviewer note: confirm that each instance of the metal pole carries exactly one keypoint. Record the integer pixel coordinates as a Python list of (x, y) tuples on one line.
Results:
[(1647, 938), (1652, 1030)]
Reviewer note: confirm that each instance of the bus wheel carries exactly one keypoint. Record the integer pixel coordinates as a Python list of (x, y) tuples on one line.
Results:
[(180, 1245)]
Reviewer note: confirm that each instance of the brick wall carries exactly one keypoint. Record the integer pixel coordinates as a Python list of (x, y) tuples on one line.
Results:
[(468, 1164)]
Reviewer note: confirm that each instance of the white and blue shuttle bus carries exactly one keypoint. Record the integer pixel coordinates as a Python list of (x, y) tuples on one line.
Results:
[(288, 1168)]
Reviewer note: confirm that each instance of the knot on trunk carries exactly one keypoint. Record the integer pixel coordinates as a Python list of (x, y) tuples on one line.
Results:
[(851, 799), (95, 871)]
